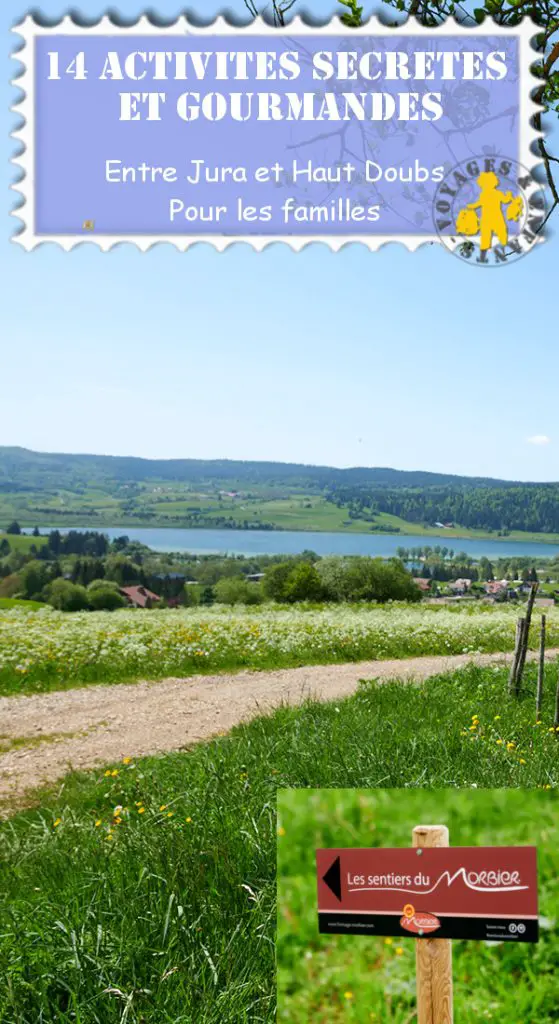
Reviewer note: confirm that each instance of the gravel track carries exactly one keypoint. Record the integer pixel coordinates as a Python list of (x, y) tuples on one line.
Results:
[(83, 728)]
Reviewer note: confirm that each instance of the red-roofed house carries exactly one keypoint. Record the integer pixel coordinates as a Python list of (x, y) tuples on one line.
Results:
[(495, 587), (424, 585), (139, 597)]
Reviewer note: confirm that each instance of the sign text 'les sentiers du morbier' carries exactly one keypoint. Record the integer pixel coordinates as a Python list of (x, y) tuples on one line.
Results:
[(449, 893)]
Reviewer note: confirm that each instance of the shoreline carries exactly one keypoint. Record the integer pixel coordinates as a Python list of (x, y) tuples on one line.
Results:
[(516, 537)]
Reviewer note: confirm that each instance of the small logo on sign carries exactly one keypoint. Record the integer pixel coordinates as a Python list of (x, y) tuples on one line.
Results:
[(421, 923)]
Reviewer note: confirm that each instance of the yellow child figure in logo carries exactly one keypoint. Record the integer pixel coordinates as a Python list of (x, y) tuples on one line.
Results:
[(491, 217)]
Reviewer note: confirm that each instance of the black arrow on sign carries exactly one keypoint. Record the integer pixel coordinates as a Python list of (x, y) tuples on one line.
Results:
[(333, 879)]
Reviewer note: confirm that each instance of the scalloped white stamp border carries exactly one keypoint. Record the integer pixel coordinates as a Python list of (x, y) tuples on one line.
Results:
[(29, 29)]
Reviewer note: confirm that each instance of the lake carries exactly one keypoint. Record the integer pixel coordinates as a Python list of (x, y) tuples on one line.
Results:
[(292, 542)]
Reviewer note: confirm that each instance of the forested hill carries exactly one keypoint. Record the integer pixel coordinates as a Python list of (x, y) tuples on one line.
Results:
[(196, 492), (21, 468), (532, 508)]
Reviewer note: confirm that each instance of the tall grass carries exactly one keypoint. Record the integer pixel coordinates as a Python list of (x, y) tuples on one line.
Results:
[(168, 914), (53, 650)]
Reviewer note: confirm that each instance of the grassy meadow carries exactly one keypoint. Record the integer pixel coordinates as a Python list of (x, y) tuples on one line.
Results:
[(329, 979), (22, 542), (165, 507), (6, 603), (51, 650), (145, 891)]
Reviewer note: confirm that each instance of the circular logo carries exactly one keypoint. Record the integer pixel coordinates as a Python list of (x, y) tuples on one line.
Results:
[(521, 928), (489, 211), (409, 910), (513, 928)]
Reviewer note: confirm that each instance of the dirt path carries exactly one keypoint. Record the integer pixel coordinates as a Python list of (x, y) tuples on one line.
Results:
[(78, 729)]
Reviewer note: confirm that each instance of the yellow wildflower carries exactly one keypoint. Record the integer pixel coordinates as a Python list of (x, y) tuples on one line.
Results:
[(98, 822), (522, 761), (114, 772), (56, 823), (388, 942), (126, 760), (163, 807), (281, 831), (188, 820), (348, 995), (398, 951), (141, 810), (170, 814)]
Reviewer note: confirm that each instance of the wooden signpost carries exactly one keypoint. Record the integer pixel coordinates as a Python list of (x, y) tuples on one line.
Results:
[(434, 893), (433, 959)]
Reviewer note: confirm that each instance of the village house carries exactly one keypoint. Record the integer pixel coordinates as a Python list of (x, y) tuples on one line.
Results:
[(139, 597), (496, 588), (424, 585), (460, 586)]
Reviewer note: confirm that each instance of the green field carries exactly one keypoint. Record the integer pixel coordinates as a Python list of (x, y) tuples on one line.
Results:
[(330, 979), (180, 508), (13, 602), (22, 542), (169, 914), (50, 650)]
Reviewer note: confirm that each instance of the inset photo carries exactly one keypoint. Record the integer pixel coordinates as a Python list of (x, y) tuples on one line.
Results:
[(426, 906)]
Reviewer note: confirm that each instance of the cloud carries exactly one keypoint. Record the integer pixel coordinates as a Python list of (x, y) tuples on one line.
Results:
[(539, 439)]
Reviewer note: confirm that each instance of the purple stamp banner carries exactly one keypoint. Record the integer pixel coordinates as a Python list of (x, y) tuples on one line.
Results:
[(262, 134)]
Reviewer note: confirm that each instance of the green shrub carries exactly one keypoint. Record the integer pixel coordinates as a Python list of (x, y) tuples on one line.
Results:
[(104, 597), (303, 584), (10, 585), (66, 596), (367, 579), (35, 576), (236, 590)]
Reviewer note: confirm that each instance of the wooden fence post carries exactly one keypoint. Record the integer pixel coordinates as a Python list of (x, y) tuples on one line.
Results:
[(433, 957), (556, 719), (516, 655), (541, 670), (525, 638)]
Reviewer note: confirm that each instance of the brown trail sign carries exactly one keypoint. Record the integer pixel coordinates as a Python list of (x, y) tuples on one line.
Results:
[(434, 893), (455, 893)]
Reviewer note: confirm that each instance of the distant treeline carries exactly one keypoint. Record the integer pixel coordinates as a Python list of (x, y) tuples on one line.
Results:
[(22, 468), (529, 507)]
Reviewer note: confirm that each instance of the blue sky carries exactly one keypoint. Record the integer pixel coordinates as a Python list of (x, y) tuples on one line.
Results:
[(410, 360)]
